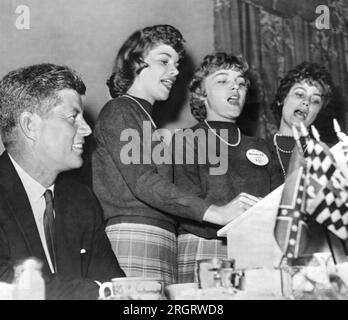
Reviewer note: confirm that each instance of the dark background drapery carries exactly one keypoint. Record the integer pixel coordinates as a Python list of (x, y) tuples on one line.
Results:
[(274, 36)]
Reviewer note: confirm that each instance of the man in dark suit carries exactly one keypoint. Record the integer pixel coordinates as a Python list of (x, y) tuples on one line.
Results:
[(42, 214)]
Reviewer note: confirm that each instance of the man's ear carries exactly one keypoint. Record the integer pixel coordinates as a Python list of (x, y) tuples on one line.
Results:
[(29, 124)]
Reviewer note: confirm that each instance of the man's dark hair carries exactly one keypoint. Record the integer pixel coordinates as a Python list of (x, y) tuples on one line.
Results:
[(310, 72), (130, 59), (34, 89), (212, 63)]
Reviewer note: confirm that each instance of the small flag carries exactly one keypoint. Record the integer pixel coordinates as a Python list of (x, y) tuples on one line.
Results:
[(330, 206), (320, 162), (326, 194), (291, 231)]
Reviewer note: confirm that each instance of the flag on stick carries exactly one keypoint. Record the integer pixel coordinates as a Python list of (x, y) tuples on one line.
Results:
[(326, 195), (290, 228), (330, 206)]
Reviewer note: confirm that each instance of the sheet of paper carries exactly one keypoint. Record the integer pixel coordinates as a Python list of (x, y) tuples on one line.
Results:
[(250, 236)]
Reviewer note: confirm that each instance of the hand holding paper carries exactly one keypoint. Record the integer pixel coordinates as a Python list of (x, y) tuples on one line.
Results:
[(222, 215)]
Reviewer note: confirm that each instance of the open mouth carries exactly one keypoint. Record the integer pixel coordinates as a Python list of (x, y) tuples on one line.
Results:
[(78, 146), (233, 99), (168, 83), (302, 115)]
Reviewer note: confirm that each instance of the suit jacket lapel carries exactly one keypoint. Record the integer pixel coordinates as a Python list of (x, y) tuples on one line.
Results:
[(19, 204)]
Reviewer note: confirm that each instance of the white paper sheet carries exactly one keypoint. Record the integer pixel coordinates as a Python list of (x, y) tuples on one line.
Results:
[(250, 236)]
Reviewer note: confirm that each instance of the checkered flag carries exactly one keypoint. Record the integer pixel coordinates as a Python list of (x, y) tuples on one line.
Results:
[(340, 153), (326, 194), (330, 206), (291, 231), (320, 168), (320, 162)]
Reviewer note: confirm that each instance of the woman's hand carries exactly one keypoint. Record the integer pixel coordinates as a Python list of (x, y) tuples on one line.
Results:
[(222, 215)]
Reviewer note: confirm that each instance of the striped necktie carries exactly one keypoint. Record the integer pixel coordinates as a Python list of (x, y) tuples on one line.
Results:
[(48, 221)]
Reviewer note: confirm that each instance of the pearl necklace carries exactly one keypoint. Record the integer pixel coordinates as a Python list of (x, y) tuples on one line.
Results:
[(223, 140), (139, 104), (279, 149), (276, 144)]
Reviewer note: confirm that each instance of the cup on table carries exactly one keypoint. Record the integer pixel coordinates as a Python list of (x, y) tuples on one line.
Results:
[(308, 277), (134, 288), (210, 274)]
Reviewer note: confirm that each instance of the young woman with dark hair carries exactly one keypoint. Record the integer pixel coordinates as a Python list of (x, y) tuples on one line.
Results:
[(302, 93)]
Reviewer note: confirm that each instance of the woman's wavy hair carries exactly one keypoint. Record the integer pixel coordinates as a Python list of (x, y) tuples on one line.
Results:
[(212, 63), (130, 58), (310, 72)]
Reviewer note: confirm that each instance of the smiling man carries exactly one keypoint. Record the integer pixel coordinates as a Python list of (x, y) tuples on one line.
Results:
[(43, 215)]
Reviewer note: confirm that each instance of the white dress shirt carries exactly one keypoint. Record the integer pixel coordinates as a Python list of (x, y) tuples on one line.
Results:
[(35, 192)]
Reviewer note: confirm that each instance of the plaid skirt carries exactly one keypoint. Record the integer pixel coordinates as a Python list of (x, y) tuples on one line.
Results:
[(144, 251), (192, 248)]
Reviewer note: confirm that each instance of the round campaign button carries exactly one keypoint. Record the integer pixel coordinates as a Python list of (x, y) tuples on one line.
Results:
[(257, 157)]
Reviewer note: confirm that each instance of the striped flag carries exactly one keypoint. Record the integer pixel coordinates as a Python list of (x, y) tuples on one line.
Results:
[(291, 231)]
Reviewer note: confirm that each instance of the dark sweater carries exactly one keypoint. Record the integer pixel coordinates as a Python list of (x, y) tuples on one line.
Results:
[(135, 193), (242, 175), (285, 143)]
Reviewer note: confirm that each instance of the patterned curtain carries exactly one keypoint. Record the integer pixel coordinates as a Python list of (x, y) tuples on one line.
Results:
[(272, 44)]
